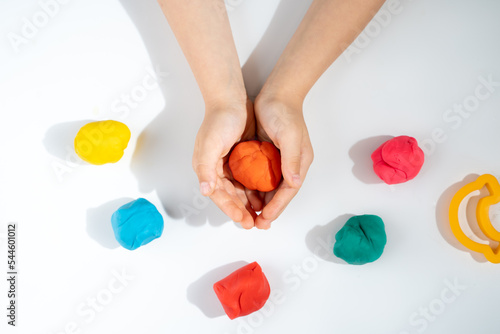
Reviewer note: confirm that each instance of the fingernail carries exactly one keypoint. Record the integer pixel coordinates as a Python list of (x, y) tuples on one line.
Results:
[(205, 188), (296, 180)]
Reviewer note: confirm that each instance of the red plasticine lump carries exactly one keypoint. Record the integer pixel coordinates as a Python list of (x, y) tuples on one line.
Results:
[(256, 165), (398, 160), (244, 291)]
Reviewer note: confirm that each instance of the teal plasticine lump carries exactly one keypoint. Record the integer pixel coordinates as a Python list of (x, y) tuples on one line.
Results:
[(361, 240), (136, 224)]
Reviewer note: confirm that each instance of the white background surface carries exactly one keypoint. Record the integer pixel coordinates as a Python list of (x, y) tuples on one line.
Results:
[(401, 80)]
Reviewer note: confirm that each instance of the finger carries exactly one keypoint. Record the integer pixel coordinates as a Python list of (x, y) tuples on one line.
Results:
[(205, 158), (227, 203), (276, 205), (237, 189), (290, 147), (276, 201), (262, 224), (252, 213), (248, 220), (269, 196), (249, 215), (254, 199)]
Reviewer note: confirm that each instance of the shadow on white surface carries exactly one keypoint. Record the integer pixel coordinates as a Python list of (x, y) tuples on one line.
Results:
[(201, 292), (59, 139), (259, 65), (361, 153), (162, 163), (321, 239), (443, 222), (162, 157), (99, 222)]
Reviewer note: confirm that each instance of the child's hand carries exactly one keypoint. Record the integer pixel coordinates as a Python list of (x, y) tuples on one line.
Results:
[(281, 121), (222, 127)]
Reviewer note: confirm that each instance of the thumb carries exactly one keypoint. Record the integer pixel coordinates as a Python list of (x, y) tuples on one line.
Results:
[(291, 160), (205, 159)]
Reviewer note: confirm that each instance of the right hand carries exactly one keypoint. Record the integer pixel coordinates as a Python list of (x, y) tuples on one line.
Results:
[(223, 127)]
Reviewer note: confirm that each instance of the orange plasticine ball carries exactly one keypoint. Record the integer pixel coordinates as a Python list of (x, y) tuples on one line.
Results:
[(256, 165)]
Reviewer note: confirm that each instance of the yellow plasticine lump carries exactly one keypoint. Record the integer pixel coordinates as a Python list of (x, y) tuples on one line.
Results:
[(482, 215), (102, 142)]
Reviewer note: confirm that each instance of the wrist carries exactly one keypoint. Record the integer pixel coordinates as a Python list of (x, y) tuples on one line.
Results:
[(230, 105), (234, 102), (226, 91), (290, 101)]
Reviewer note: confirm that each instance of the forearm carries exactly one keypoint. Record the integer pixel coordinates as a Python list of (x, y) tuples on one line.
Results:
[(203, 31), (327, 27)]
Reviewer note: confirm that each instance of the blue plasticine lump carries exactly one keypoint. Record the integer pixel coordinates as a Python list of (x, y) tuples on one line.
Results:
[(136, 224)]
